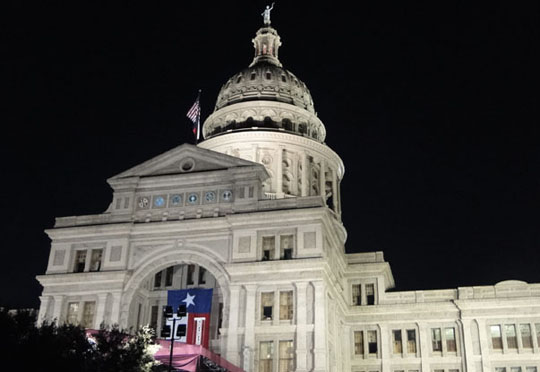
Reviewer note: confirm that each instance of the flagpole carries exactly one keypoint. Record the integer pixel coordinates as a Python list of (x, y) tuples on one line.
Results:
[(198, 119)]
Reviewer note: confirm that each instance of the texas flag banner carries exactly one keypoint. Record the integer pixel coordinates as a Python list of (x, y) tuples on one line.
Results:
[(198, 303)]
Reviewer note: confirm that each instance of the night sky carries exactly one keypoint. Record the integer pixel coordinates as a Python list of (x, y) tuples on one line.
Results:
[(434, 109)]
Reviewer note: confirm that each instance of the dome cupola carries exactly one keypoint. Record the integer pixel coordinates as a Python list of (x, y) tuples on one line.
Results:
[(265, 96)]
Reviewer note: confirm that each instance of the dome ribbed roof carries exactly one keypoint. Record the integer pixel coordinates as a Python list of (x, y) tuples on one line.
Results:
[(265, 81), (265, 78)]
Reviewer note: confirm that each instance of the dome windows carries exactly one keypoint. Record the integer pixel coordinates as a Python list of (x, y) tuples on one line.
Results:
[(268, 75)]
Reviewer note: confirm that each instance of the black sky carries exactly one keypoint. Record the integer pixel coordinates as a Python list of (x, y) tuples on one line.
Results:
[(432, 107)]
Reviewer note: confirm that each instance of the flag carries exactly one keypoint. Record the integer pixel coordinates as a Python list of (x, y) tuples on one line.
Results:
[(198, 302), (194, 114)]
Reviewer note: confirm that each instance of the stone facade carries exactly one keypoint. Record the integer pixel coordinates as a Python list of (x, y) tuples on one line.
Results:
[(254, 212)]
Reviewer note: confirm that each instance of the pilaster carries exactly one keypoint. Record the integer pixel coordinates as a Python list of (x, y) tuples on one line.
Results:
[(232, 330), (249, 340), (115, 310), (44, 306), (320, 349), (301, 326), (100, 310), (57, 309), (424, 338)]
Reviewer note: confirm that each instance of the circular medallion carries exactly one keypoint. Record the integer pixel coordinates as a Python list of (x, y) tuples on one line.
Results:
[(192, 198), (227, 195), (176, 199), (210, 196), (159, 201), (143, 202)]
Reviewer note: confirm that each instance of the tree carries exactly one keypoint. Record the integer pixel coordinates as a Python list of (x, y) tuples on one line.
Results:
[(52, 347)]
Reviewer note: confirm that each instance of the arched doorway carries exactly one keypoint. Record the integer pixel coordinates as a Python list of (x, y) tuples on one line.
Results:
[(163, 270)]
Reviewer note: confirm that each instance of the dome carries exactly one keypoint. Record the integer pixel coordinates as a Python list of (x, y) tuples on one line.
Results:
[(265, 81), (265, 96)]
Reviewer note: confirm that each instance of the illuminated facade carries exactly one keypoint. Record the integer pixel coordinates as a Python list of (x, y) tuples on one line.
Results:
[(254, 212)]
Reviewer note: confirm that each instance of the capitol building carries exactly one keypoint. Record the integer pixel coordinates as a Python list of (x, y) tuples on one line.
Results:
[(254, 212)]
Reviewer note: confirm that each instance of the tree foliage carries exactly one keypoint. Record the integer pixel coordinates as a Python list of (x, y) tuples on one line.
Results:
[(52, 347)]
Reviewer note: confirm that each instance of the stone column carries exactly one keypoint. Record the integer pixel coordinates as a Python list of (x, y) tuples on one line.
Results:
[(322, 180), (100, 310), (305, 175), (249, 340), (57, 310), (232, 330), (320, 349), (44, 306), (279, 173), (334, 191), (301, 326)]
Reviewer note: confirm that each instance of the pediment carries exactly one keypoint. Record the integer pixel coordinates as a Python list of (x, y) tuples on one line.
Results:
[(184, 159)]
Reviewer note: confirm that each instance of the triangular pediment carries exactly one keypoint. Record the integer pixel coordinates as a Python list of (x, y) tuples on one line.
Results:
[(184, 159)]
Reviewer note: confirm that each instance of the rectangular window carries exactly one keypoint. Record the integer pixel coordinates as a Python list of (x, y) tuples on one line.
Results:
[(500, 369), (438, 370), (453, 370), (496, 337), (398, 346), (268, 246), (286, 305), (436, 339), (266, 356), (286, 247), (202, 275), (95, 262), (530, 369), (267, 305), (358, 342), (526, 336), (515, 369), (169, 276), (88, 314), (154, 317), (537, 326), (450, 336), (73, 313), (370, 294), (411, 341), (372, 342), (286, 356), (510, 333), (357, 294), (190, 274), (157, 280), (80, 261)]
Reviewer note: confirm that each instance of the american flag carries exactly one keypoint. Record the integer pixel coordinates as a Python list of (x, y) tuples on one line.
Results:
[(194, 114)]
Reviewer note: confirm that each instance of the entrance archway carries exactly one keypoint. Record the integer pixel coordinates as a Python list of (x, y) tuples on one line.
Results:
[(142, 294)]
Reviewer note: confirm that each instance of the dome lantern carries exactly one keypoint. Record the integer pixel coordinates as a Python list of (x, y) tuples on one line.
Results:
[(266, 43)]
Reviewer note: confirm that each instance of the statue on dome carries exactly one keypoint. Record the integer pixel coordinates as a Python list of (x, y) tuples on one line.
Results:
[(266, 14)]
